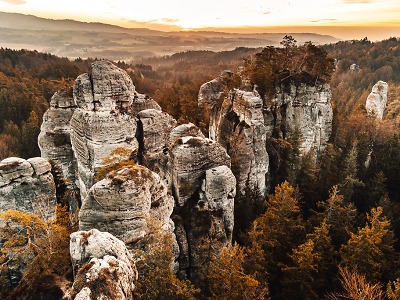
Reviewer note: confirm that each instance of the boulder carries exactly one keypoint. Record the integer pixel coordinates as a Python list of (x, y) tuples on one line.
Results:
[(122, 203), (104, 267), (28, 186), (190, 158)]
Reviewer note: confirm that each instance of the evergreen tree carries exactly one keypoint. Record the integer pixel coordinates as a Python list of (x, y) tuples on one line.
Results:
[(298, 276), (306, 182), (339, 215), (325, 279), (228, 279), (371, 250), (349, 180), (29, 134), (154, 262), (274, 234)]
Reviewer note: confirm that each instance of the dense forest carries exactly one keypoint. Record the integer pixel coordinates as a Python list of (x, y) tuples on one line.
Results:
[(329, 228)]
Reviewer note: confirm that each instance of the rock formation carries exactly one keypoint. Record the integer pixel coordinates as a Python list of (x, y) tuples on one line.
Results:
[(306, 108), (121, 202), (242, 122), (376, 101), (102, 121), (104, 267), (190, 158), (55, 140), (154, 127), (193, 171), (28, 186), (204, 189)]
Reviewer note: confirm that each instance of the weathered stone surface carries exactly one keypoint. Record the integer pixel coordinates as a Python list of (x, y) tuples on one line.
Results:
[(237, 123), (154, 127), (306, 108), (203, 187), (205, 223), (190, 157), (105, 88), (103, 120), (182, 130), (242, 122), (120, 204), (143, 102), (377, 99), (104, 267), (55, 141), (28, 186), (54, 138)]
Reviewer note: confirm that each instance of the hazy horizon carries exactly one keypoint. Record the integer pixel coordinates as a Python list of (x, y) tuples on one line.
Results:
[(343, 19)]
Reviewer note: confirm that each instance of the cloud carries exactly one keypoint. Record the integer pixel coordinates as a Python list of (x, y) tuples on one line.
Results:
[(156, 24), (164, 21), (268, 12), (358, 1), (324, 20), (16, 2)]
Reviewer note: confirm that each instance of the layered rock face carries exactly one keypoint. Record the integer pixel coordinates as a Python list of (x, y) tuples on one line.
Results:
[(154, 127), (306, 108), (377, 99), (190, 158), (104, 267), (204, 189), (193, 171), (103, 121), (242, 122), (209, 221), (55, 140), (121, 202), (28, 186)]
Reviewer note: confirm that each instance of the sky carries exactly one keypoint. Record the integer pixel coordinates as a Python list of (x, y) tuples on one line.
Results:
[(336, 17)]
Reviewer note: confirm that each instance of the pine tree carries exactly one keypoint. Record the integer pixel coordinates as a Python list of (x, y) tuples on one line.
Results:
[(339, 215), (298, 276), (393, 289), (306, 182), (349, 180), (371, 250), (29, 133), (275, 233), (327, 258), (228, 279)]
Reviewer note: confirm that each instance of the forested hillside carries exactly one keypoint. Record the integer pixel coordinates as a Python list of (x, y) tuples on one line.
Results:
[(330, 226)]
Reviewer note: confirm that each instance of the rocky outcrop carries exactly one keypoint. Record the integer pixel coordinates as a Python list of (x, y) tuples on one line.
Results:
[(377, 99), (190, 158), (55, 141), (103, 121), (154, 127), (305, 108), (242, 122), (28, 186), (104, 267), (123, 202), (54, 138), (204, 188), (113, 123), (143, 102)]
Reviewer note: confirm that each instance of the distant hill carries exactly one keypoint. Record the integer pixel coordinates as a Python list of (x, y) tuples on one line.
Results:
[(74, 39)]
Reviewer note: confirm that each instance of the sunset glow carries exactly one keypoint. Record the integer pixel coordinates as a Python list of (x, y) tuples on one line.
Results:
[(239, 14)]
